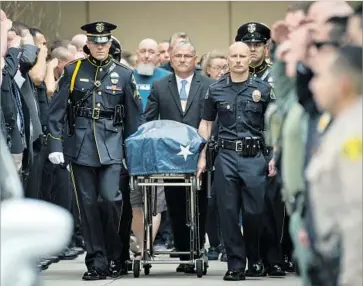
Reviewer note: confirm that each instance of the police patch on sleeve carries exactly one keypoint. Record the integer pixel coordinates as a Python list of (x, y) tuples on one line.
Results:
[(352, 149)]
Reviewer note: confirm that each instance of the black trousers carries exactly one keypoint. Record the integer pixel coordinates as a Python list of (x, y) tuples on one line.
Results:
[(56, 185), (270, 240), (90, 184), (32, 184), (117, 223), (124, 229), (176, 199), (213, 225), (240, 184)]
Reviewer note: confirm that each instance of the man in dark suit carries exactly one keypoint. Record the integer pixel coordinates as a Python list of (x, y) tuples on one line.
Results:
[(180, 97)]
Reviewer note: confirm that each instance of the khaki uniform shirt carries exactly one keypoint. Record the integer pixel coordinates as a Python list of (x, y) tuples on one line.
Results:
[(335, 179)]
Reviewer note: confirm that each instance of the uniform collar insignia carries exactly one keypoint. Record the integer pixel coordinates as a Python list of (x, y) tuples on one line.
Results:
[(99, 63)]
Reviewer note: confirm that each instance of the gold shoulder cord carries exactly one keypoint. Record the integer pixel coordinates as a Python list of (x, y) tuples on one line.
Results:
[(74, 75)]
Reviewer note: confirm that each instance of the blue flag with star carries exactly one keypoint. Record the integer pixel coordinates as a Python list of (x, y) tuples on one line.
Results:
[(163, 147)]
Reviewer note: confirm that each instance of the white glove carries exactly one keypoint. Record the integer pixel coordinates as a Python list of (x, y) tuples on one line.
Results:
[(56, 158)]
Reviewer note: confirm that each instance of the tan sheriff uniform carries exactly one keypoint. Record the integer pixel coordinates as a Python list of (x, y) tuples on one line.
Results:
[(335, 178)]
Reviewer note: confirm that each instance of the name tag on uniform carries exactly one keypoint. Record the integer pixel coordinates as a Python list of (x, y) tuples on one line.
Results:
[(84, 79), (143, 86)]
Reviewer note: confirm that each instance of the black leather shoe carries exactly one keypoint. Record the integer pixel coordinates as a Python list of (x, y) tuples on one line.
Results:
[(234, 275), (115, 268), (256, 270), (94, 274), (189, 269), (276, 271), (43, 264), (180, 268), (68, 254), (288, 265)]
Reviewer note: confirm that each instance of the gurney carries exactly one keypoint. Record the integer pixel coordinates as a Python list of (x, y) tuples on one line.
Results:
[(165, 153)]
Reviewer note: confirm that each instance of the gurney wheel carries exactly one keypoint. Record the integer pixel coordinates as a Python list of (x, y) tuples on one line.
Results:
[(199, 267), (147, 269), (137, 266)]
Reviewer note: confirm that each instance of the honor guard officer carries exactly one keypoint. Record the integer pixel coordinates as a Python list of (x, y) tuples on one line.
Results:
[(240, 101), (98, 98), (256, 35)]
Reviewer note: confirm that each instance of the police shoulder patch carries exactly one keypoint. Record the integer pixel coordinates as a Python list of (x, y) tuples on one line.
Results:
[(121, 65), (351, 149)]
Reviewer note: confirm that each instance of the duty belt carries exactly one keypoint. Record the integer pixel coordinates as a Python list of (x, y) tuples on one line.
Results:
[(247, 146), (94, 113)]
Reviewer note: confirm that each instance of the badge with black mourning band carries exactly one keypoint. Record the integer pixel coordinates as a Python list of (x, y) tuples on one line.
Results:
[(114, 77), (256, 95)]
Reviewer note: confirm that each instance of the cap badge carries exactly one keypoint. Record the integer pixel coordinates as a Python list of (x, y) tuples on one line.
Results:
[(256, 95), (251, 28), (100, 27)]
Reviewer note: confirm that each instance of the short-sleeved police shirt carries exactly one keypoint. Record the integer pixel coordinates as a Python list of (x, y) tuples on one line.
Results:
[(240, 107)]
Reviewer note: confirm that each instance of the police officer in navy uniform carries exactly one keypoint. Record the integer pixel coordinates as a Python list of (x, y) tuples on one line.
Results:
[(240, 101), (256, 35), (95, 108)]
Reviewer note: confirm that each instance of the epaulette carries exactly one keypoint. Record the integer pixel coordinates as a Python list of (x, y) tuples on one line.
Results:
[(75, 61), (121, 64)]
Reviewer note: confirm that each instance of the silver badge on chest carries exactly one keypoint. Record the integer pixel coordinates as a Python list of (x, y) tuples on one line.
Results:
[(256, 95), (114, 77)]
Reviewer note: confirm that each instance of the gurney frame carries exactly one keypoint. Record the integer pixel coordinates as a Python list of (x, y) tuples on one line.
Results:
[(148, 186)]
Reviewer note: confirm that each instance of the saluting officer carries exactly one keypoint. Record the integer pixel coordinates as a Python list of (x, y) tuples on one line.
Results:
[(240, 101), (98, 98), (256, 35)]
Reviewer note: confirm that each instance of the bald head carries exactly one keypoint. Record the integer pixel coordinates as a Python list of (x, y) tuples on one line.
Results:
[(239, 59), (79, 41), (148, 43), (147, 54), (239, 47), (62, 54)]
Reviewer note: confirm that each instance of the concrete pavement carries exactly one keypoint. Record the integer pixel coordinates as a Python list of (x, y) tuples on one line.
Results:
[(69, 273)]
